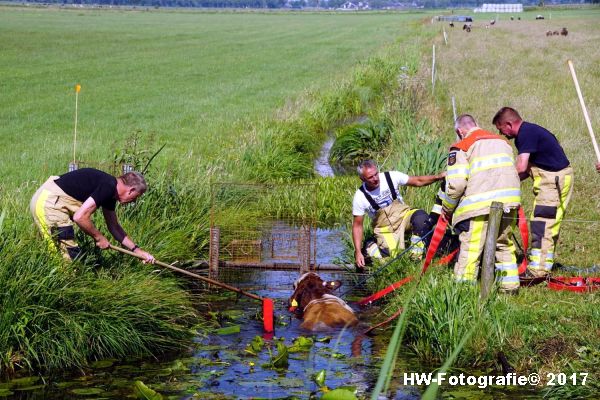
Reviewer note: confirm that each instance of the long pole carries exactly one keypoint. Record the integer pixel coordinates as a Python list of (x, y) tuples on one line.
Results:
[(584, 109), (77, 89), (188, 273), (433, 70)]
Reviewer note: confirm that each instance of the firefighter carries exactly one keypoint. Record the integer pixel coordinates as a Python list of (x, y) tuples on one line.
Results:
[(74, 197), (481, 170), (380, 198), (542, 158)]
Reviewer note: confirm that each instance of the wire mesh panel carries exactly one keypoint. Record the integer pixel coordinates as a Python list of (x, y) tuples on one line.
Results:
[(262, 226)]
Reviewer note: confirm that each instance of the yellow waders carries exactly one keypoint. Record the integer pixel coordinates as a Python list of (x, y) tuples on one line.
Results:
[(52, 211), (552, 191), (389, 225), (471, 247)]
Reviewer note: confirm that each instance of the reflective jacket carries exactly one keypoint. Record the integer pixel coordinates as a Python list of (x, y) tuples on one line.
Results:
[(481, 169)]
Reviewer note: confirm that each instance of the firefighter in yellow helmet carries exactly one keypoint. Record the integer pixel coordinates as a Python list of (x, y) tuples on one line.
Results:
[(481, 170), (542, 158)]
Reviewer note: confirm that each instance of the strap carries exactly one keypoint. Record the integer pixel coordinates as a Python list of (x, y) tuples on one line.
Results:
[(388, 178), (369, 198), (522, 221), (383, 292), (438, 234)]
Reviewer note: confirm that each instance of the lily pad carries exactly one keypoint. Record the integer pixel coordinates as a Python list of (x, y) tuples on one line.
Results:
[(29, 388), (102, 364), (228, 330), (87, 391), (25, 381), (300, 344), (339, 394)]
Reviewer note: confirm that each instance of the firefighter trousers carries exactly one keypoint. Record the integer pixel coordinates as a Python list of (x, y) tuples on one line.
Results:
[(391, 223), (472, 239), (52, 211), (552, 191)]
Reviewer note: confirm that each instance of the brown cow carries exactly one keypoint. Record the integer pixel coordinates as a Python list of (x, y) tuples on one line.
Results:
[(564, 32), (314, 301)]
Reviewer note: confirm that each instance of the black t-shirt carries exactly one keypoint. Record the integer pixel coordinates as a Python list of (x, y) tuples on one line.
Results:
[(543, 147), (84, 183)]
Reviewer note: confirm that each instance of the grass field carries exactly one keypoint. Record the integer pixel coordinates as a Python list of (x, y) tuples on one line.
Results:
[(515, 64), (228, 92), (191, 80)]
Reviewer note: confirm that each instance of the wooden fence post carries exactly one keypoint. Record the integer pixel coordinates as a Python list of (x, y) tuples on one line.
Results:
[(489, 251), (213, 257)]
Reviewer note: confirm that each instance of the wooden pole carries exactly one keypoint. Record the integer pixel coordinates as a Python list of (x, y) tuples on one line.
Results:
[(433, 71), (489, 251), (584, 109), (188, 273), (213, 252), (445, 37)]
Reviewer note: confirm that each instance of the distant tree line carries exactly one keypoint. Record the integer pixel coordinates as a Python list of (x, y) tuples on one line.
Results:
[(373, 4)]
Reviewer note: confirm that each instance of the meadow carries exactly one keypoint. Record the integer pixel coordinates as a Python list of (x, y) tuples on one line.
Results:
[(251, 97)]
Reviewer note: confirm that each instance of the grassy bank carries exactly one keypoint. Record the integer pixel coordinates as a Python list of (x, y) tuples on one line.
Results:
[(203, 84), (514, 63)]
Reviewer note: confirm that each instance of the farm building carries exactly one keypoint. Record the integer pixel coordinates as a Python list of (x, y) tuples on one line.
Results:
[(499, 8), (455, 18)]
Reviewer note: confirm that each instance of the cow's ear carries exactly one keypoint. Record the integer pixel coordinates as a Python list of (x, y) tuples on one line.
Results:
[(332, 285)]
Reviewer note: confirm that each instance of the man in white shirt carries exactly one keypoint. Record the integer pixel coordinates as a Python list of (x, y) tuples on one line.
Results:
[(380, 198)]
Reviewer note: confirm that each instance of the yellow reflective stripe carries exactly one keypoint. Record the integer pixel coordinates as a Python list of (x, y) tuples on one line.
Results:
[(474, 247), (491, 161), (40, 213), (487, 167), (560, 212), (458, 171), (485, 203), (537, 180)]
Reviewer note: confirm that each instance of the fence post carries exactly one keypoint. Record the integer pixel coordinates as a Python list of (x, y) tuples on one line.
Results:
[(489, 250), (213, 257), (304, 248)]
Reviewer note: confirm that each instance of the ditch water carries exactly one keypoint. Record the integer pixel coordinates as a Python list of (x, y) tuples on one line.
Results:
[(217, 366)]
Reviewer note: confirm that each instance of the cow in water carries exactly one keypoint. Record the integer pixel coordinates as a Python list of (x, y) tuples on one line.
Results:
[(313, 301)]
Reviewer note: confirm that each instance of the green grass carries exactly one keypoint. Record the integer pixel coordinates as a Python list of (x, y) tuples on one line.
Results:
[(192, 80), (250, 97)]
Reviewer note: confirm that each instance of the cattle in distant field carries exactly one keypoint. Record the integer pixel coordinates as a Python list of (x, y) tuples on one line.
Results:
[(467, 27), (451, 24), (556, 33), (313, 301), (549, 33), (564, 32), (539, 17)]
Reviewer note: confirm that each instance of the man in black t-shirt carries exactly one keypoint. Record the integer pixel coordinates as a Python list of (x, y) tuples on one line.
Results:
[(74, 197), (541, 157)]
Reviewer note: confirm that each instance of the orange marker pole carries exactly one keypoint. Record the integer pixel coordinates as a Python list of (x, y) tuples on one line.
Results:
[(267, 315)]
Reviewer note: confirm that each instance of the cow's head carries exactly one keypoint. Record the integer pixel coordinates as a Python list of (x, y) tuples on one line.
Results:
[(308, 287)]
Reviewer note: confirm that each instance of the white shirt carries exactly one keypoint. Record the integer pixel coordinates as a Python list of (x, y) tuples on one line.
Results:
[(382, 195)]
